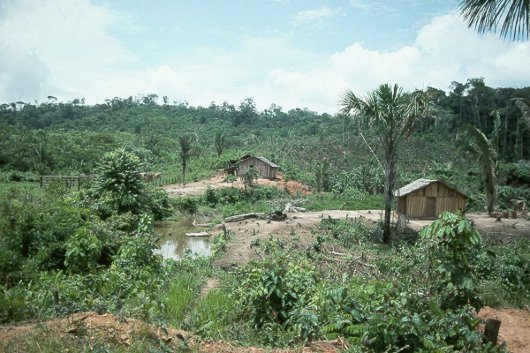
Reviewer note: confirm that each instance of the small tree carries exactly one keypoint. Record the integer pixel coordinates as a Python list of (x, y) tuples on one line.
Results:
[(452, 246), (185, 154), (219, 142), (250, 178), (119, 186)]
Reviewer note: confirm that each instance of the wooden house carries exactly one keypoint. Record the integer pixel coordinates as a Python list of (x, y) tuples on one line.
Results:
[(425, 198), (265, 168)]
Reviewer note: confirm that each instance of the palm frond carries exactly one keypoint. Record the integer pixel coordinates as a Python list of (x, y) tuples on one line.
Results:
[(482, 147), (512, 16)]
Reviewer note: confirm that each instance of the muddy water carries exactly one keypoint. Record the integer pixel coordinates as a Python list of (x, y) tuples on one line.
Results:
[(174, 243)]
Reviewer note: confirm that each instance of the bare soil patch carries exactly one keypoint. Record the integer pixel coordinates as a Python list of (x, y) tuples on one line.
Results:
[(304, 227), (108, 328), (95, 327), (515, 327), (217, 182), (495, 232)]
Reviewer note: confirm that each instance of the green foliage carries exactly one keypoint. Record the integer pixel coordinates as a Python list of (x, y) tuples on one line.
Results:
[(275, 288), (83, 250), (453, 245), (119, 187), (349, 234), (505, 275), (214, 315), (158, 203), (186, 204), (250, 178)]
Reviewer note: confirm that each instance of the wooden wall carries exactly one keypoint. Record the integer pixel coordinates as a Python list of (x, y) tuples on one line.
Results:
[(264, 170), (430, 201)]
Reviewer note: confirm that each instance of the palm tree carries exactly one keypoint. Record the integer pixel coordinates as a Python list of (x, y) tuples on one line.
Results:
[(479, 145), (391, 114), (185, 154), (512, 16)]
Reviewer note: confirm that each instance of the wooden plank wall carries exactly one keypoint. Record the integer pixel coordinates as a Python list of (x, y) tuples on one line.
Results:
[(446, 200), (264, 170)]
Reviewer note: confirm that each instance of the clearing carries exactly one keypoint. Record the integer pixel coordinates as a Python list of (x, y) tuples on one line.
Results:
[(218, 181)]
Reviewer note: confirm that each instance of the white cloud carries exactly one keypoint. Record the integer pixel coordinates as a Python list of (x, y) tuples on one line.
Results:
[(64, 48), (59, 47), (314, 15), (444, 51)]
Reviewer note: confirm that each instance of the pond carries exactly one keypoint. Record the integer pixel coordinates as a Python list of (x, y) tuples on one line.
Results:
[(173, 241)]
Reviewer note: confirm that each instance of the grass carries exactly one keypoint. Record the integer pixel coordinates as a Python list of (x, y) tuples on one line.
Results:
[(213, 316), (179, 300), (41, 341), (329, 201)]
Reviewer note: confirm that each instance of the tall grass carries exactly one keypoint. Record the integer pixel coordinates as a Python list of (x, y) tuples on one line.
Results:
[(214, 315)]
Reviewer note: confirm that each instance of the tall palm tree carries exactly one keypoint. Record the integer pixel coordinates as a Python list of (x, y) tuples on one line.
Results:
[(391, 114), (512, 16), (478, 144)]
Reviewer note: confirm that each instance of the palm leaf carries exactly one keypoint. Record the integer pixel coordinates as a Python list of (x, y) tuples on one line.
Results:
[(481, 146), (512, 16)]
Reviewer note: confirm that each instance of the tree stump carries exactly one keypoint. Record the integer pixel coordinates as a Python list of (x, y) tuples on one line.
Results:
[(492, 330)]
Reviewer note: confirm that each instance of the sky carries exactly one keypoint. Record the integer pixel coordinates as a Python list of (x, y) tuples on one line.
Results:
[(291, 53)]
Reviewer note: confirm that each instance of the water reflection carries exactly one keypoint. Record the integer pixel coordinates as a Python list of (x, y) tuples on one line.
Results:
[(174, 242)]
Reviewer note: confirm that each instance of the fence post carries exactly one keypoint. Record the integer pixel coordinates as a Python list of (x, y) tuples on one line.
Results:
[(41, 180)]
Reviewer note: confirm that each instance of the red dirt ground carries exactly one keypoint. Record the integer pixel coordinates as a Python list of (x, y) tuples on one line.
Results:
[(515, 327), (216, 182)]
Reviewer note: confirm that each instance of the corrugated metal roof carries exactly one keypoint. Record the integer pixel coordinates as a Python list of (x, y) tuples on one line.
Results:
[(265, 160), (419, 184), (415, 185)]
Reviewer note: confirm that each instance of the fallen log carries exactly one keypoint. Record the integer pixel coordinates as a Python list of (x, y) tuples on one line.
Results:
[(244, 216), (202, 225), (200, 234), (290, 207)]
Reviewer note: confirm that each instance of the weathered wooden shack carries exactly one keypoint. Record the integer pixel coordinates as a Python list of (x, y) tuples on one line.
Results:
[(425, 198), (265, 168)]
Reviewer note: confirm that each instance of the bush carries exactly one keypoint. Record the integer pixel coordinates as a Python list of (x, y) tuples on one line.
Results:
[(275, 290), (453, 245), (119, 187)]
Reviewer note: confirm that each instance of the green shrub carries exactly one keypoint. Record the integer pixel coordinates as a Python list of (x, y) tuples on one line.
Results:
[(453, 245), (273, 289)]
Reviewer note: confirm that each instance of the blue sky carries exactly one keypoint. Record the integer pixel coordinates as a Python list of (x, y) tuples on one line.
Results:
[(294, 53)]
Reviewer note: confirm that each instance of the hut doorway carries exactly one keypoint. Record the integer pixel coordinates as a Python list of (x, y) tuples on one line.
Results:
[(430, 207)]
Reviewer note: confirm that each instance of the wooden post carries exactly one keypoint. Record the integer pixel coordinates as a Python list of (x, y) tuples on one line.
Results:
[(41, 180), (492, 330), (225, 232)]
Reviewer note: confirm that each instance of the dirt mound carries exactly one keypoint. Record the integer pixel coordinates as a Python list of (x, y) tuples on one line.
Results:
[(515, 327), (103, 328)]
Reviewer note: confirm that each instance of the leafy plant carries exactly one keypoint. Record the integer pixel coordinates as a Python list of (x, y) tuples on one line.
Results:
[(453, 245)]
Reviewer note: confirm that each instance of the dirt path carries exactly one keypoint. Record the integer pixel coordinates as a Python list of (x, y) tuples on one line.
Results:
[(515, 327)]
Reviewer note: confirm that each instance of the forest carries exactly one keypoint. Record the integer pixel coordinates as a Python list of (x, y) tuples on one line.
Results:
[(68, 249)]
